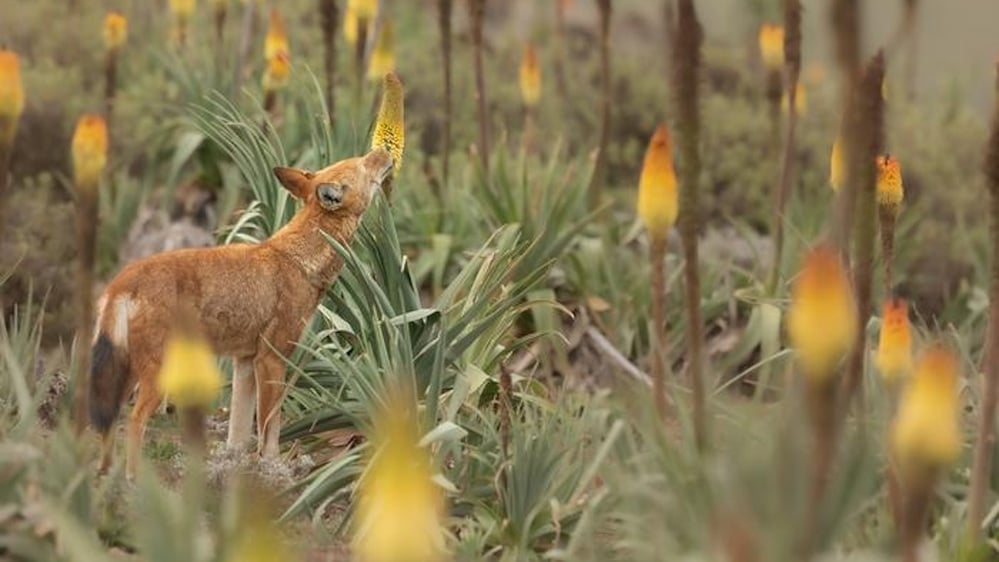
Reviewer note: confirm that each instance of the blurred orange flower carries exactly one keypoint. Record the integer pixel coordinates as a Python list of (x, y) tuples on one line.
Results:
[(657, 195), (182, 9), (926, 433), (822, 320), (383, 57), (800, 100), (11, 95), (836, 171), (894, 355), (115, 30), (530, 77), (771, 39), (276, 40), (89, 151), (277, 73), (890, 190)]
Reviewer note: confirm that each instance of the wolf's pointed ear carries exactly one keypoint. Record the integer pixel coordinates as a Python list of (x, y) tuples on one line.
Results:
[(294, 180), (379, 164)]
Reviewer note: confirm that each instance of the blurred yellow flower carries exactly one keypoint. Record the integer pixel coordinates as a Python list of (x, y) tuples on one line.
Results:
[(115, 30), (390, 125), (894, 355), (890, 190), (771, 38), (399, 509), (182, 9), (530, 77), (363, 9), (836, 171), (11, 95), (89, 151), (189, 377), (800, 100), (276, 40), (822, 319), (383, 57), (350, 26), (926, 431), (657, 195), (259, 539), (277, 72)]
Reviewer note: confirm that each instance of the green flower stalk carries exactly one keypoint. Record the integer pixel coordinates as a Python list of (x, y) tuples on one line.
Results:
[(985, 437), (686, 79), (477, 9), (867, 134), (328, 16), (791, 51), (598, 179), (444, 26)]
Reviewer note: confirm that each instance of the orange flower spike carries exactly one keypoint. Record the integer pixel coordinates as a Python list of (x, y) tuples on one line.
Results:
[(11, 95), (894, 355), (277, 73), (363, 9), (771, 37), (657, 194), (822, 320), (530, 77), (277, 38), (115, 30), (382, 59), (836, 168), (890, 189), (182, 9), (89, 151), (926, 433)]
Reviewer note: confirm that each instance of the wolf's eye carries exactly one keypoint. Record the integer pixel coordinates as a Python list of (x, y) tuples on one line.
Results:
[(330, 194)]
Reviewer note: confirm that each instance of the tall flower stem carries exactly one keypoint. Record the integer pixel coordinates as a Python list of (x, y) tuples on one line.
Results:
[(444, 8), (792, 63), (86, 240), (110, 78), (985, 438), (887, 218), (686, 71), (845, 17), (478, 13), (865, 142), (360, 47), (657, 259), (328, 17), (599, 168), (561, 84)]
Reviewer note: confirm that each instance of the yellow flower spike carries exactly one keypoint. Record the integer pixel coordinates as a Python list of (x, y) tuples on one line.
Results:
[(390, 126), (277, 73), (926, 432), (259, 539), (530, 77), (189, 376), (400, 509), (11, 95), (383, 57), (182, 9), (771, 39), (363, 9), (89, 151), (350, 25), (822, 319), (836, 169), (657, 195), (894, 355), (276, 40), (890, 190), (115, 30), (800, 100)]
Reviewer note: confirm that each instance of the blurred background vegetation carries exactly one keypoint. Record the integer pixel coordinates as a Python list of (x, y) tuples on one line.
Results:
[(510, 271)]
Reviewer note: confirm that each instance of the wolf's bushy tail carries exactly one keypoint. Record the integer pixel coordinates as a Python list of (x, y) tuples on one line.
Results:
[(108, 379)]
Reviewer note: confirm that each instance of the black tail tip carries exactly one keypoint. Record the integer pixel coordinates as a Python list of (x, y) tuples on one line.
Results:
[(103, 404)]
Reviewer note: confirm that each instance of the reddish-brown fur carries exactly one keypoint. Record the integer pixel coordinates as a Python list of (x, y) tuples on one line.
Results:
[(252, 302)]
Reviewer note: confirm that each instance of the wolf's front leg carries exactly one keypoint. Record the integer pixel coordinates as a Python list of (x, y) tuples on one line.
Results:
[(242, 403)]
